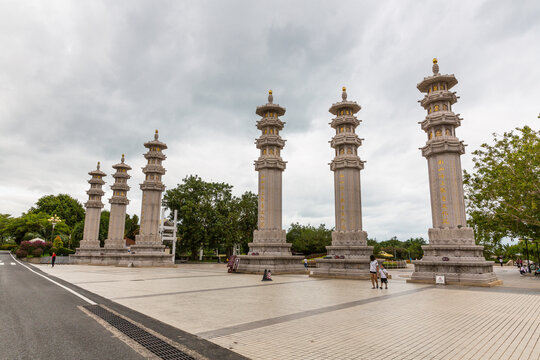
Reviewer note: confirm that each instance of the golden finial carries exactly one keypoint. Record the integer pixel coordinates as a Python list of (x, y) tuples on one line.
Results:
[(434, 60), (98, 164), (156, 131), (344, 94), (269, 92)]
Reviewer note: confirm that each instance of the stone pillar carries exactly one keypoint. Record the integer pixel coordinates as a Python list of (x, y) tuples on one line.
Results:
[(89, 245), (349, 250), (117, 221), (148, 248), (452, 251), (269, 249)]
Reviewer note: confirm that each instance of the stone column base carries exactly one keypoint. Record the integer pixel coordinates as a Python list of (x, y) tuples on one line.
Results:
[(147, 248), (278, 264), (84, 255), (352, 264), (459, 264), (125, 259), (269, 250)]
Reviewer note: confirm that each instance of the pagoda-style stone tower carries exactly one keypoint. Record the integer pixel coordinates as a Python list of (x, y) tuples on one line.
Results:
[(89, 245), (452, 251), (148, 248), (117, 221), (269, 249), (349, 242)]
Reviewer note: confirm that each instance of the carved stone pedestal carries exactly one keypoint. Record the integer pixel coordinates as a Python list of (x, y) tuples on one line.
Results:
[(350, 257), (453, 253), (269, 250)]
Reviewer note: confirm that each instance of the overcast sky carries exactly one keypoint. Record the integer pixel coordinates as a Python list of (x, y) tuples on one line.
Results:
[(85, 81)]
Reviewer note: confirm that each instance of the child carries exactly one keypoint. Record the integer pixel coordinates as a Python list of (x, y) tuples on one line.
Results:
[(384, 276)]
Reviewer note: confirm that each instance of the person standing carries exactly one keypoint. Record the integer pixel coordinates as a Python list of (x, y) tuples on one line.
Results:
[(501, 261), (305, 263), (373, 268), (53, 258), (384, 276)]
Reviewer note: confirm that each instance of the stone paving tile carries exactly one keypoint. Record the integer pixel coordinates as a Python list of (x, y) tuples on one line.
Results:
[(296, 317)]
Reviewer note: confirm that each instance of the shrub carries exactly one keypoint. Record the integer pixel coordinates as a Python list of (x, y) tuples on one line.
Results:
[(25, 245), (21, 253), (47, 247), (37, 252), (8, 246), (58, 243)]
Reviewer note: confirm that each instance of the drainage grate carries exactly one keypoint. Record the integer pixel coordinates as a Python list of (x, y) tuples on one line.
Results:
[(154, 344)]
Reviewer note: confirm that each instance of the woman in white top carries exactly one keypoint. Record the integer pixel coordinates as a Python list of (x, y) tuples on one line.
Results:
[(373, 268)]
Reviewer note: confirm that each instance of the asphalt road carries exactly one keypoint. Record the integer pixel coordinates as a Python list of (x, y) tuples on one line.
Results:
[(40, 320)]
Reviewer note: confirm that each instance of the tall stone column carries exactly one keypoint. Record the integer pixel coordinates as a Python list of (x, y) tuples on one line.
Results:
[(149, 239), (117, 220), (452, 251), (269, 249), (349, 250), (89, 245)]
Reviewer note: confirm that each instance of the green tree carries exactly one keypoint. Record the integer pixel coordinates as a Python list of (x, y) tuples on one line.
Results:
[(104, 226), (503, 191), (64, 206), (376, 246), (207, 214), (414, 247), (5, 219), (308, 239), (34, 223), (77, 234), (132, 226), (246, 210), (395, 247)]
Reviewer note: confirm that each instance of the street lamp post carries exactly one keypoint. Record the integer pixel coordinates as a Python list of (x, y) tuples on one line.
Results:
[(53, 220)]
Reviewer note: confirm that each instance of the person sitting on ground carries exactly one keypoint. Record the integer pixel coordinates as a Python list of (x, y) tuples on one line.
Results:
[(522, 270), (384, 276), (537, 272)]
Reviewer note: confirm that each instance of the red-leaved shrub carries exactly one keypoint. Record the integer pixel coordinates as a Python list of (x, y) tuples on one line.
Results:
[(21, 253)]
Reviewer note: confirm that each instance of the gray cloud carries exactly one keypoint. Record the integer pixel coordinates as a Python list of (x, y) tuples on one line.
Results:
[(82, 82)]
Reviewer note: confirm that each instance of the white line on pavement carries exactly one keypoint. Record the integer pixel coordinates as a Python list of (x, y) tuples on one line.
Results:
[(54, 282), (13, 264), (1, 263)]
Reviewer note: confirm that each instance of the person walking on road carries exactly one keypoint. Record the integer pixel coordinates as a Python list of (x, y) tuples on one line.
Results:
[(53, 258), (373, 268), (305, 263), (501, 261)]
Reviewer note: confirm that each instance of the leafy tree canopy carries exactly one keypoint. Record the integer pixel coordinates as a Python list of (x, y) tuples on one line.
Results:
[(209, 216), (33, 223), (308, 239), (4, 222), (401, 249), (503, 191), (64, 206)]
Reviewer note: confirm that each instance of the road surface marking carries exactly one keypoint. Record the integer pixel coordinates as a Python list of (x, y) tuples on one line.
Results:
[(54, 282), (1, 263), (13, 264)]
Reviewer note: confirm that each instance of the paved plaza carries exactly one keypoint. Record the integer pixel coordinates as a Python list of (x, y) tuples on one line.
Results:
[(298, 317)]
